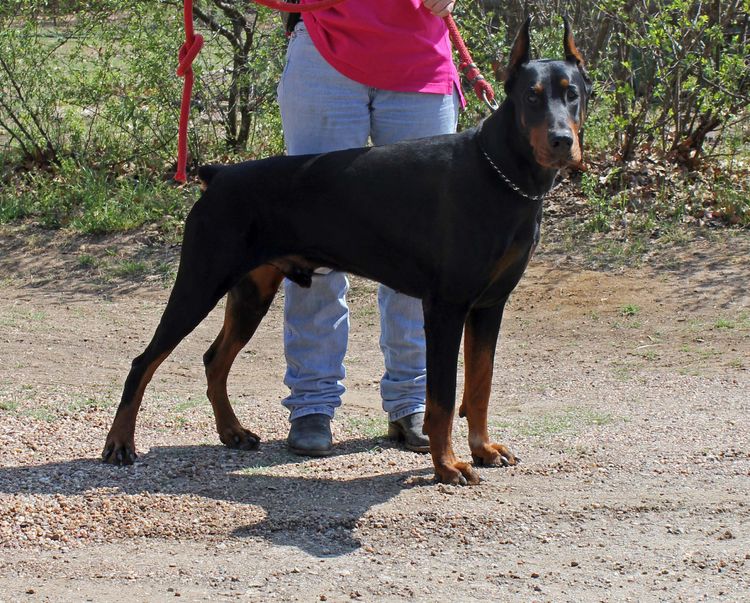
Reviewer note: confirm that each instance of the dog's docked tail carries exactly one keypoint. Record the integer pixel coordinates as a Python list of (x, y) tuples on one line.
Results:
[(206, 174)]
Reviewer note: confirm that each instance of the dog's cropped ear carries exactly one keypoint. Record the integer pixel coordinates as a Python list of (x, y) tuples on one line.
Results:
[(520, 54), (573, 55)]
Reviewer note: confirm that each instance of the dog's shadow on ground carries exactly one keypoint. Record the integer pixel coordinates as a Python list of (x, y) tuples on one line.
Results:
[(317, 515)]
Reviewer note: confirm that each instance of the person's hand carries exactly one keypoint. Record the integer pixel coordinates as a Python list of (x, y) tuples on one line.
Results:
[(439, 8)]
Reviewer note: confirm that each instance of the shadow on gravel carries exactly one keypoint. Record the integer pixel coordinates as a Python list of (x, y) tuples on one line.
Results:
[(316, 515)]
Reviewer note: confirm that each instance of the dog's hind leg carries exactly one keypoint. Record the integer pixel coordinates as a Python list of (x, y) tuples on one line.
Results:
[(176, 323), (198, 288), (480, 339), (443, 327), (247, 304)]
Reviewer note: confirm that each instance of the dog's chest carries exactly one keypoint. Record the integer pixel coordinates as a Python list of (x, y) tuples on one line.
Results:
[(505, 272)]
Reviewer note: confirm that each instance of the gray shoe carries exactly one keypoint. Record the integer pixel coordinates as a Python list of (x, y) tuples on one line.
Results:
[(408, 430), (311, 436)]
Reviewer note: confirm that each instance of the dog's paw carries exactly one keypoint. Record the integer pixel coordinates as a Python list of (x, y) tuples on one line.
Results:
[(119, 453), (457, 474), (494, 455), (239, 438)]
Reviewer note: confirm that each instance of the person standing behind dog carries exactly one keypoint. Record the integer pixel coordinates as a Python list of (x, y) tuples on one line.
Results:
[(365, 69)]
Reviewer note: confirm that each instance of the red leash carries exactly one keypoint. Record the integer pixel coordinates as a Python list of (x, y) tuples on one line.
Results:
[(194, 42), (188, 51), (468, 68)]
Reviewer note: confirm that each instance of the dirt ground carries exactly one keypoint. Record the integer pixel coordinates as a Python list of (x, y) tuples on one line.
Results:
[(625, 391)]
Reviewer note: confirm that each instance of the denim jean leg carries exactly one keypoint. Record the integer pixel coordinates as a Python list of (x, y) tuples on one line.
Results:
[(402, 342), (316, 331), (321, 110)]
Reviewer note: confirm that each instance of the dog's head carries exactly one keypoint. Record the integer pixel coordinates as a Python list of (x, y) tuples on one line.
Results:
[(550, 99)]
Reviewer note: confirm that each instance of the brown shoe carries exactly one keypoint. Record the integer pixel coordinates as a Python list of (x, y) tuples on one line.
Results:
[(408, 430)]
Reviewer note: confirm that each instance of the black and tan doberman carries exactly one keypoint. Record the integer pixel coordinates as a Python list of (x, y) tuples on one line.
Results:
[(452, 220)]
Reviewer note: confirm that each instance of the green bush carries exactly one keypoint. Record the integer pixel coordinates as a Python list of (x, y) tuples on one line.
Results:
[(675, 72)]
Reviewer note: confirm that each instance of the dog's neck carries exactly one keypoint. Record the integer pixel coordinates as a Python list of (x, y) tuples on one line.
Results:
[(510, 152)]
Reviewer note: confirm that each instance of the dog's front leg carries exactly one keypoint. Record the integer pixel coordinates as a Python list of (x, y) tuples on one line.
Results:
[(480, 340), (443, 328)]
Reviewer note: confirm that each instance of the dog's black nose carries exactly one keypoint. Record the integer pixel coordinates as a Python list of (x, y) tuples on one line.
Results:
[(561, 140)]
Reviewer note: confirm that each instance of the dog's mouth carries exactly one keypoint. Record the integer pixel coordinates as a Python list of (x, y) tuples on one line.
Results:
[(554, 162)]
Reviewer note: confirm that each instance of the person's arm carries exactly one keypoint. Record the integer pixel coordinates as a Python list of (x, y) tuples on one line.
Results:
[(439, 8)]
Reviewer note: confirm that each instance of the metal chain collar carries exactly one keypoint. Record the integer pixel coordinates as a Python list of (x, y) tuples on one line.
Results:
[(513, 186)]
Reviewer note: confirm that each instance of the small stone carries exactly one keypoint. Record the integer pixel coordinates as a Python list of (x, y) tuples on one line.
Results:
[(574, 564), (727, 535)]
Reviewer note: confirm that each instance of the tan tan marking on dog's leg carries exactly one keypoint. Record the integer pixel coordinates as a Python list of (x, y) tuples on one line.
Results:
[(480, 339), (247, 304)]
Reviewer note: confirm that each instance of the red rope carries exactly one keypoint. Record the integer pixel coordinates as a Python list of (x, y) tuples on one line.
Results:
[(188, 52), (466, 66)]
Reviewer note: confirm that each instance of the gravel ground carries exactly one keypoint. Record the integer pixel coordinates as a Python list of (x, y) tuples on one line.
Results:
[(625, 392)]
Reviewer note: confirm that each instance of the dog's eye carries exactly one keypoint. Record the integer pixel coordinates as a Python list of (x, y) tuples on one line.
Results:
[(532, 98), (571, 94)]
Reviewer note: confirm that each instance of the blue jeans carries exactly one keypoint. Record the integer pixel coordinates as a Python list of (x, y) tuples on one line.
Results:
[(321, 111)]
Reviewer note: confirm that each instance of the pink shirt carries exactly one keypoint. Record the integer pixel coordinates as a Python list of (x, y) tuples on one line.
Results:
[(389, 44)]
